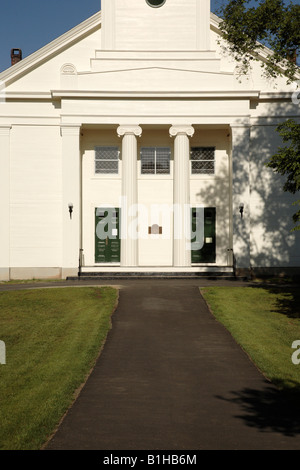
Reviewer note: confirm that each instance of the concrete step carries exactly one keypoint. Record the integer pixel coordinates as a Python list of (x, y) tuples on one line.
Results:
[(104, 275)]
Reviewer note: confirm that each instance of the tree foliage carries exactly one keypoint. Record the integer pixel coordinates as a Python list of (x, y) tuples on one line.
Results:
[(247, 30)]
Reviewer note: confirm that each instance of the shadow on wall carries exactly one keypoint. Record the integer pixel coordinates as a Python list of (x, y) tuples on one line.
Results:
[(272, 242), (269, 223)]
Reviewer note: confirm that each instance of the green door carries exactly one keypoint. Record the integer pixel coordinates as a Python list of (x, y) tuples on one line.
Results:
[(107, 235), (206, 253)]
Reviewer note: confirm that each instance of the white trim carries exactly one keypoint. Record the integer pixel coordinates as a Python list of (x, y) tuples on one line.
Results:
[(203, 24), (28, 95), (157, 55), (271, 120), (5, 142), (67, 94), (157, 269), (203, 94), (108, 33), (213, 120), (276, 95)]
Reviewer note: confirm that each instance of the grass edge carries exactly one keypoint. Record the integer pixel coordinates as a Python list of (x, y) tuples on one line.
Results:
[(79, 389), (237, 342)]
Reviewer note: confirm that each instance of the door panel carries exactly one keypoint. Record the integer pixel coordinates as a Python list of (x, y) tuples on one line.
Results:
[(207, 251), (107, 235)]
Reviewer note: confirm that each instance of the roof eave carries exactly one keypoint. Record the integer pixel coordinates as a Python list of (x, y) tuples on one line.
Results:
[(54, 47)]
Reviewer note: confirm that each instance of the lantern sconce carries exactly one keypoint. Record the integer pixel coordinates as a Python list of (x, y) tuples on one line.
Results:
[(241, 208), (70, 209)]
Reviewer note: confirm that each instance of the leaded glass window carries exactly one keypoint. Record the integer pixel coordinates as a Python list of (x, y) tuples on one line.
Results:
[(106, 160), (203, 160)]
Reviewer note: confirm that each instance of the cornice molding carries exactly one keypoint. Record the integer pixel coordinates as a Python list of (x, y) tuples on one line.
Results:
[(231, 94), (28, 95)]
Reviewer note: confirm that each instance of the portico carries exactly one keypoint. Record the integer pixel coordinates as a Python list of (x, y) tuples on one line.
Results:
[(155, 207)]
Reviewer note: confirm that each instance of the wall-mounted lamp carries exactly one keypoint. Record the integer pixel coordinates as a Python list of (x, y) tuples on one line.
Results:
[(70, 209), (241, 208)]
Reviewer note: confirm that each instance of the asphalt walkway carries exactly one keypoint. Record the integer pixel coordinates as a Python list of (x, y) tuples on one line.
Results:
[(171, 377)]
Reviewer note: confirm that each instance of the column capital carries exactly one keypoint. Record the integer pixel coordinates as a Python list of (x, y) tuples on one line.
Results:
[(129, 129), (182, 129)]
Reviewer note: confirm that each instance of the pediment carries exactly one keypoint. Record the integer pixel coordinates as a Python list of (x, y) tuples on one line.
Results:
[(158, 79)]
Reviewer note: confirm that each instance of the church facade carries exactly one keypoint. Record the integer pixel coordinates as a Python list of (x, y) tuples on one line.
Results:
[(132, 144)]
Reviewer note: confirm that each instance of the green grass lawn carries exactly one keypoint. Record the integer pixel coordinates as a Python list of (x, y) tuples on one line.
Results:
[(265, 321), (52, 337)]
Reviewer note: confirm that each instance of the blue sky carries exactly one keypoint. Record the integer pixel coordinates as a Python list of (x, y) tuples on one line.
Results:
[(31, 24)]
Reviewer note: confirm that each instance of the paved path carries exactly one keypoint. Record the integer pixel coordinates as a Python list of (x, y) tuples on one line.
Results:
[(171, 377)]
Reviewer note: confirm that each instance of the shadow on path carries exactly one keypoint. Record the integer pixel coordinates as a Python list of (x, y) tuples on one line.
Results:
[(268, 409)]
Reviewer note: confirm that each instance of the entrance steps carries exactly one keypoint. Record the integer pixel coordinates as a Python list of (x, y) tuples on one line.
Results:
[(111, 273)]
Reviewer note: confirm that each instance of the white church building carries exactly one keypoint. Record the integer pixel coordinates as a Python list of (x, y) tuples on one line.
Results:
[(132, 144)]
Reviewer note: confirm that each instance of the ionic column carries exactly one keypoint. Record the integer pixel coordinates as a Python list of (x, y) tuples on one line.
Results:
[(241, 197), (129, 239), (71, 183), (5, 202), (182, 222)]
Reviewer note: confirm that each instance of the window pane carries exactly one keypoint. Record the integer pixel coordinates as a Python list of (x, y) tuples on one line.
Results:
[(203, 153), (148, 160), (155, 160), (107, 153), (162, 160), (106, 167), (106, 160), (203, 160), (203, 167)]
